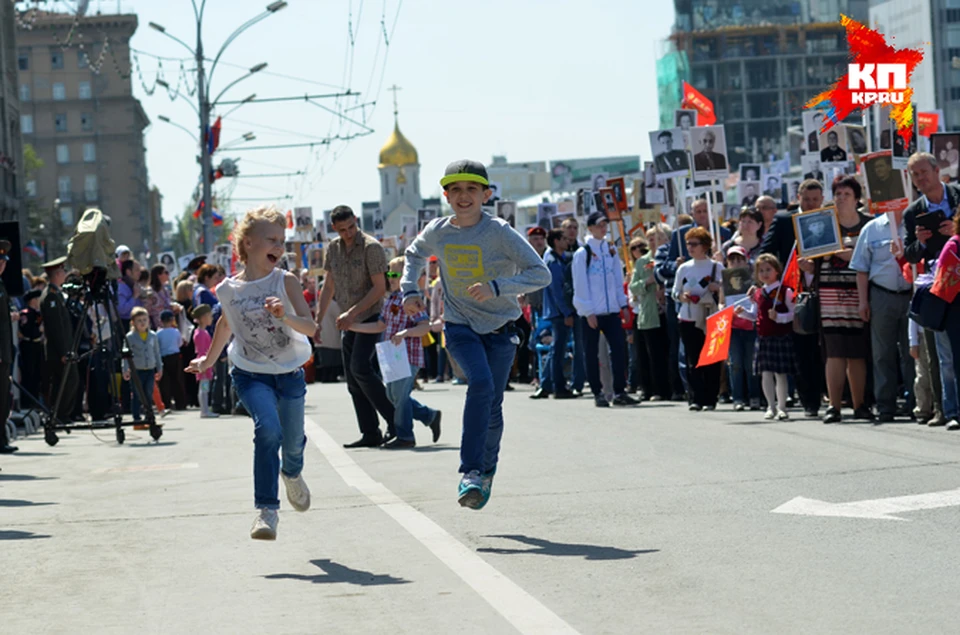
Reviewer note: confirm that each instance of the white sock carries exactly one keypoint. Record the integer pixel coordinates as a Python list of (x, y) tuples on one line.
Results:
[(782, 391), (769, 389)]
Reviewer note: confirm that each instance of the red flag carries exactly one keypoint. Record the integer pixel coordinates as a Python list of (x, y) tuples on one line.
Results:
[(693, 98), (927, 123), (717, 345), (791, 273), (289, 219), (947, 282)]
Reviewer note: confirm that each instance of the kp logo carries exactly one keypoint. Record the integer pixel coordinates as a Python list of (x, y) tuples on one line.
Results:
[(878, 74)]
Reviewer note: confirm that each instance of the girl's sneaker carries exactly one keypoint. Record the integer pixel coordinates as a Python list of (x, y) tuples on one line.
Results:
[(265, 524), (782, 416), (471, 490), (770, 415)]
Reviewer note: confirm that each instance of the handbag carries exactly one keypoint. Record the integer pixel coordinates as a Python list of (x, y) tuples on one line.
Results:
[(928, 310), (806, 313)]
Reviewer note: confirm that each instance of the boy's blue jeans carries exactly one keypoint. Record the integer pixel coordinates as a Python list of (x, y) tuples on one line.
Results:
[(486, 361), (740, 363), (276, 404), (405, 407), (146, 380)]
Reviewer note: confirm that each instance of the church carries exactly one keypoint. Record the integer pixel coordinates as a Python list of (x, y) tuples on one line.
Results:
[(400, 196)]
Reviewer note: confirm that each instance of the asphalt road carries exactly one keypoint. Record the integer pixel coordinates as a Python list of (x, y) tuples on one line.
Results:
[(641, 520)]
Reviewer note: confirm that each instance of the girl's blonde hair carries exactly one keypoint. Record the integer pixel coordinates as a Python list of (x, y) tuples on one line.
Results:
[(184, 290), (135, 313), (399, 261), (264, 214)]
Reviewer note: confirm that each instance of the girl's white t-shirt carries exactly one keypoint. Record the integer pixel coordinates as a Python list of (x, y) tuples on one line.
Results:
[(261, 343)]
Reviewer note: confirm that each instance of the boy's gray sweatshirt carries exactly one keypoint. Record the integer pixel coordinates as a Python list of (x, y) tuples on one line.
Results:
[(490, 251), (146, 354)]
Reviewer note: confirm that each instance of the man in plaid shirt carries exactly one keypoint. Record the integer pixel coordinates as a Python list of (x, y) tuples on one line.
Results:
[(400, 327)]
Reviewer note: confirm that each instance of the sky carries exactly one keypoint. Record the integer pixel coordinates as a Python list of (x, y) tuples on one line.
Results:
[(529, 79)]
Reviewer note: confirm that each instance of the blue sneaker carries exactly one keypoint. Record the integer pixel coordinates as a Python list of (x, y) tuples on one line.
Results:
[(486, 485), (471, 490)]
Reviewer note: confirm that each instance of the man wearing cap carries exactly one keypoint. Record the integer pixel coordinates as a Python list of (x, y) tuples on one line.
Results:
[(6, 351), (355, 265), (599, 298), (58, 329), (484, 266)]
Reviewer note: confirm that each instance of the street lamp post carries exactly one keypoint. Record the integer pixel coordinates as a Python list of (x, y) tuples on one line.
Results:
[(206, 105)]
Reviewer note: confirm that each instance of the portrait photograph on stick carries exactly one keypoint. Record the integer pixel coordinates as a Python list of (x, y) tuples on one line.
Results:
[(945, 146), (856, 138), (619, 187), (812, 122), (507, 210), (901, 149), (685, 118), (709, 147), (669, 158), (884, 184), (750, 171), (748, 192), (833, 148), (817, 233)]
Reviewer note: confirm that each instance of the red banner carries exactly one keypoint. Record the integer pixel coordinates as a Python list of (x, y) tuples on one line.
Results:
[(947, 283), (927, 123), (717, 346), (791, 274), (693, 98)]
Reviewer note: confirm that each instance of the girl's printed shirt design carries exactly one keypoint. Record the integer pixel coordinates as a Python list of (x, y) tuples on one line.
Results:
[(268, 336)]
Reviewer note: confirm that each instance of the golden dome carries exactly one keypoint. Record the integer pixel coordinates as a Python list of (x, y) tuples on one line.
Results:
[(398, 150)]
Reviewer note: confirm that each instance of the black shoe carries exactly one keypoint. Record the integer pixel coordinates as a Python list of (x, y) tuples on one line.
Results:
[(809, 412), (509, 388), (540, 393), (8, 449), (677, 396), (564, 394), (832, 416), (364, 442), (624, 400), (886, 417), (863, 413), (399, 444), (601, 401), (435, 426), (389, 436)]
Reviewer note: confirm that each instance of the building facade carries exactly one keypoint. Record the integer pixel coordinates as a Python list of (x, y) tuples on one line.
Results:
[(11, 148), (759, 61), (79, 113)]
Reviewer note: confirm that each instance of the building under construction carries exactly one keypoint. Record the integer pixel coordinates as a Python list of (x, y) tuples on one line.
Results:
[(759, 61)]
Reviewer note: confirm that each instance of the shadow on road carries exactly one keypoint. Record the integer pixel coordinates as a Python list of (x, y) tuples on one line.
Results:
[(26, 477), (21, 453), (435, 448), (547, 548), (20, 535), (21, 503), (334, 573)]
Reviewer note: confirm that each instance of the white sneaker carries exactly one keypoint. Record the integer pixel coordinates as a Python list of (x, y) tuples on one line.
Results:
[(783, 416), (297, 492), (770, 415), (953, 424), (209, 415), (265, 524)]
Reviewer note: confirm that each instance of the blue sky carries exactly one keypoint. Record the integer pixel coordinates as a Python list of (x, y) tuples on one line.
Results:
[(530, 79)]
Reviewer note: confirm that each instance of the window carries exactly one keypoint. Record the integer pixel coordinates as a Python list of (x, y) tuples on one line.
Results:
[(56, 60), (954, 93), (66, 216), (24, 92), (26, 124), (23, 59), (89, 152), (59, 91), (952, 15), (86, 121), (60, 122), (31, 187), (63, 153), (83, 90), (63, 189), (82, 60), (90, 190)]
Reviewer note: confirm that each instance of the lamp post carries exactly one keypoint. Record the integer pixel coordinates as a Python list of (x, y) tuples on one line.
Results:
[(206, 105)]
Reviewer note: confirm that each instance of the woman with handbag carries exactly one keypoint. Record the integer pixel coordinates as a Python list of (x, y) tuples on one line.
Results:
[(695, 289), (846, 340)]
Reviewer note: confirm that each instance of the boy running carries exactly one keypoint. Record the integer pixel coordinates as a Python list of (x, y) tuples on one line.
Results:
[(484, 266)]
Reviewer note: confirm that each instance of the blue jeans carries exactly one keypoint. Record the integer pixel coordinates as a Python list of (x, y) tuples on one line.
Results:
[(486, 361), (405, 407), (146, 380), (948, 374), (558, 353), (579, 364), (276, 404), (740, 363)]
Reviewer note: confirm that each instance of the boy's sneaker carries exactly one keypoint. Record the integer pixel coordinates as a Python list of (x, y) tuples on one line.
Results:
[(265, 524), (486, 485), (471, 490), (297, 492)]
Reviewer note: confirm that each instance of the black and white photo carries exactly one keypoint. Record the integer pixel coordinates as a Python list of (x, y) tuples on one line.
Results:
[(669, 159), (833, 146), (599, 180), (424, 216), (507, 210), (945, 146), (748, 192), (856, 139), (812, 122), (545, 214), (771, 186), (685, 118), (750, 171), (817, 233), (901, 149), (709, 147)]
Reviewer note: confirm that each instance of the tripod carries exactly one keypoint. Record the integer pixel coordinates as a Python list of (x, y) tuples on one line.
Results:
[(97, 292)]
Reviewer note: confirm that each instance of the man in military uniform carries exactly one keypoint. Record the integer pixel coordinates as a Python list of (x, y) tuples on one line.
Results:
[(31, 348), (6, 352), (58, 328)]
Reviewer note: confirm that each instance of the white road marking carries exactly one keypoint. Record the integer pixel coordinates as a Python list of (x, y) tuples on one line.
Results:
[(147, 468), (878, 508), (517, 606)]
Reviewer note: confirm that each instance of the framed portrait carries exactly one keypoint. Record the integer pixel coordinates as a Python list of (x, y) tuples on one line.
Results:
[(545, 214), (901, 149), (303, 224), (812, 122), (685, 118), (884, 183), (736, 281), (169, 260), (495, 191), (507, 210), (748, 192), (810, 166), (599, 180), (945, 146), (856, 139), (833, 147), (619, 187), (424, 216), (669, 158), (610, 207), (750, 171), (791, 191), (817, 232), (771, 186), (709, 147)]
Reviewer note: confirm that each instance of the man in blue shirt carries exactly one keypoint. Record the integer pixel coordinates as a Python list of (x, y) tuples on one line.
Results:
[(558, 310)]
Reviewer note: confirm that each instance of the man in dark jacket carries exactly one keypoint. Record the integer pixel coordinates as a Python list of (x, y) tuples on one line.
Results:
[(779, 241), (58, 329), (558, 310), (6, 352)]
